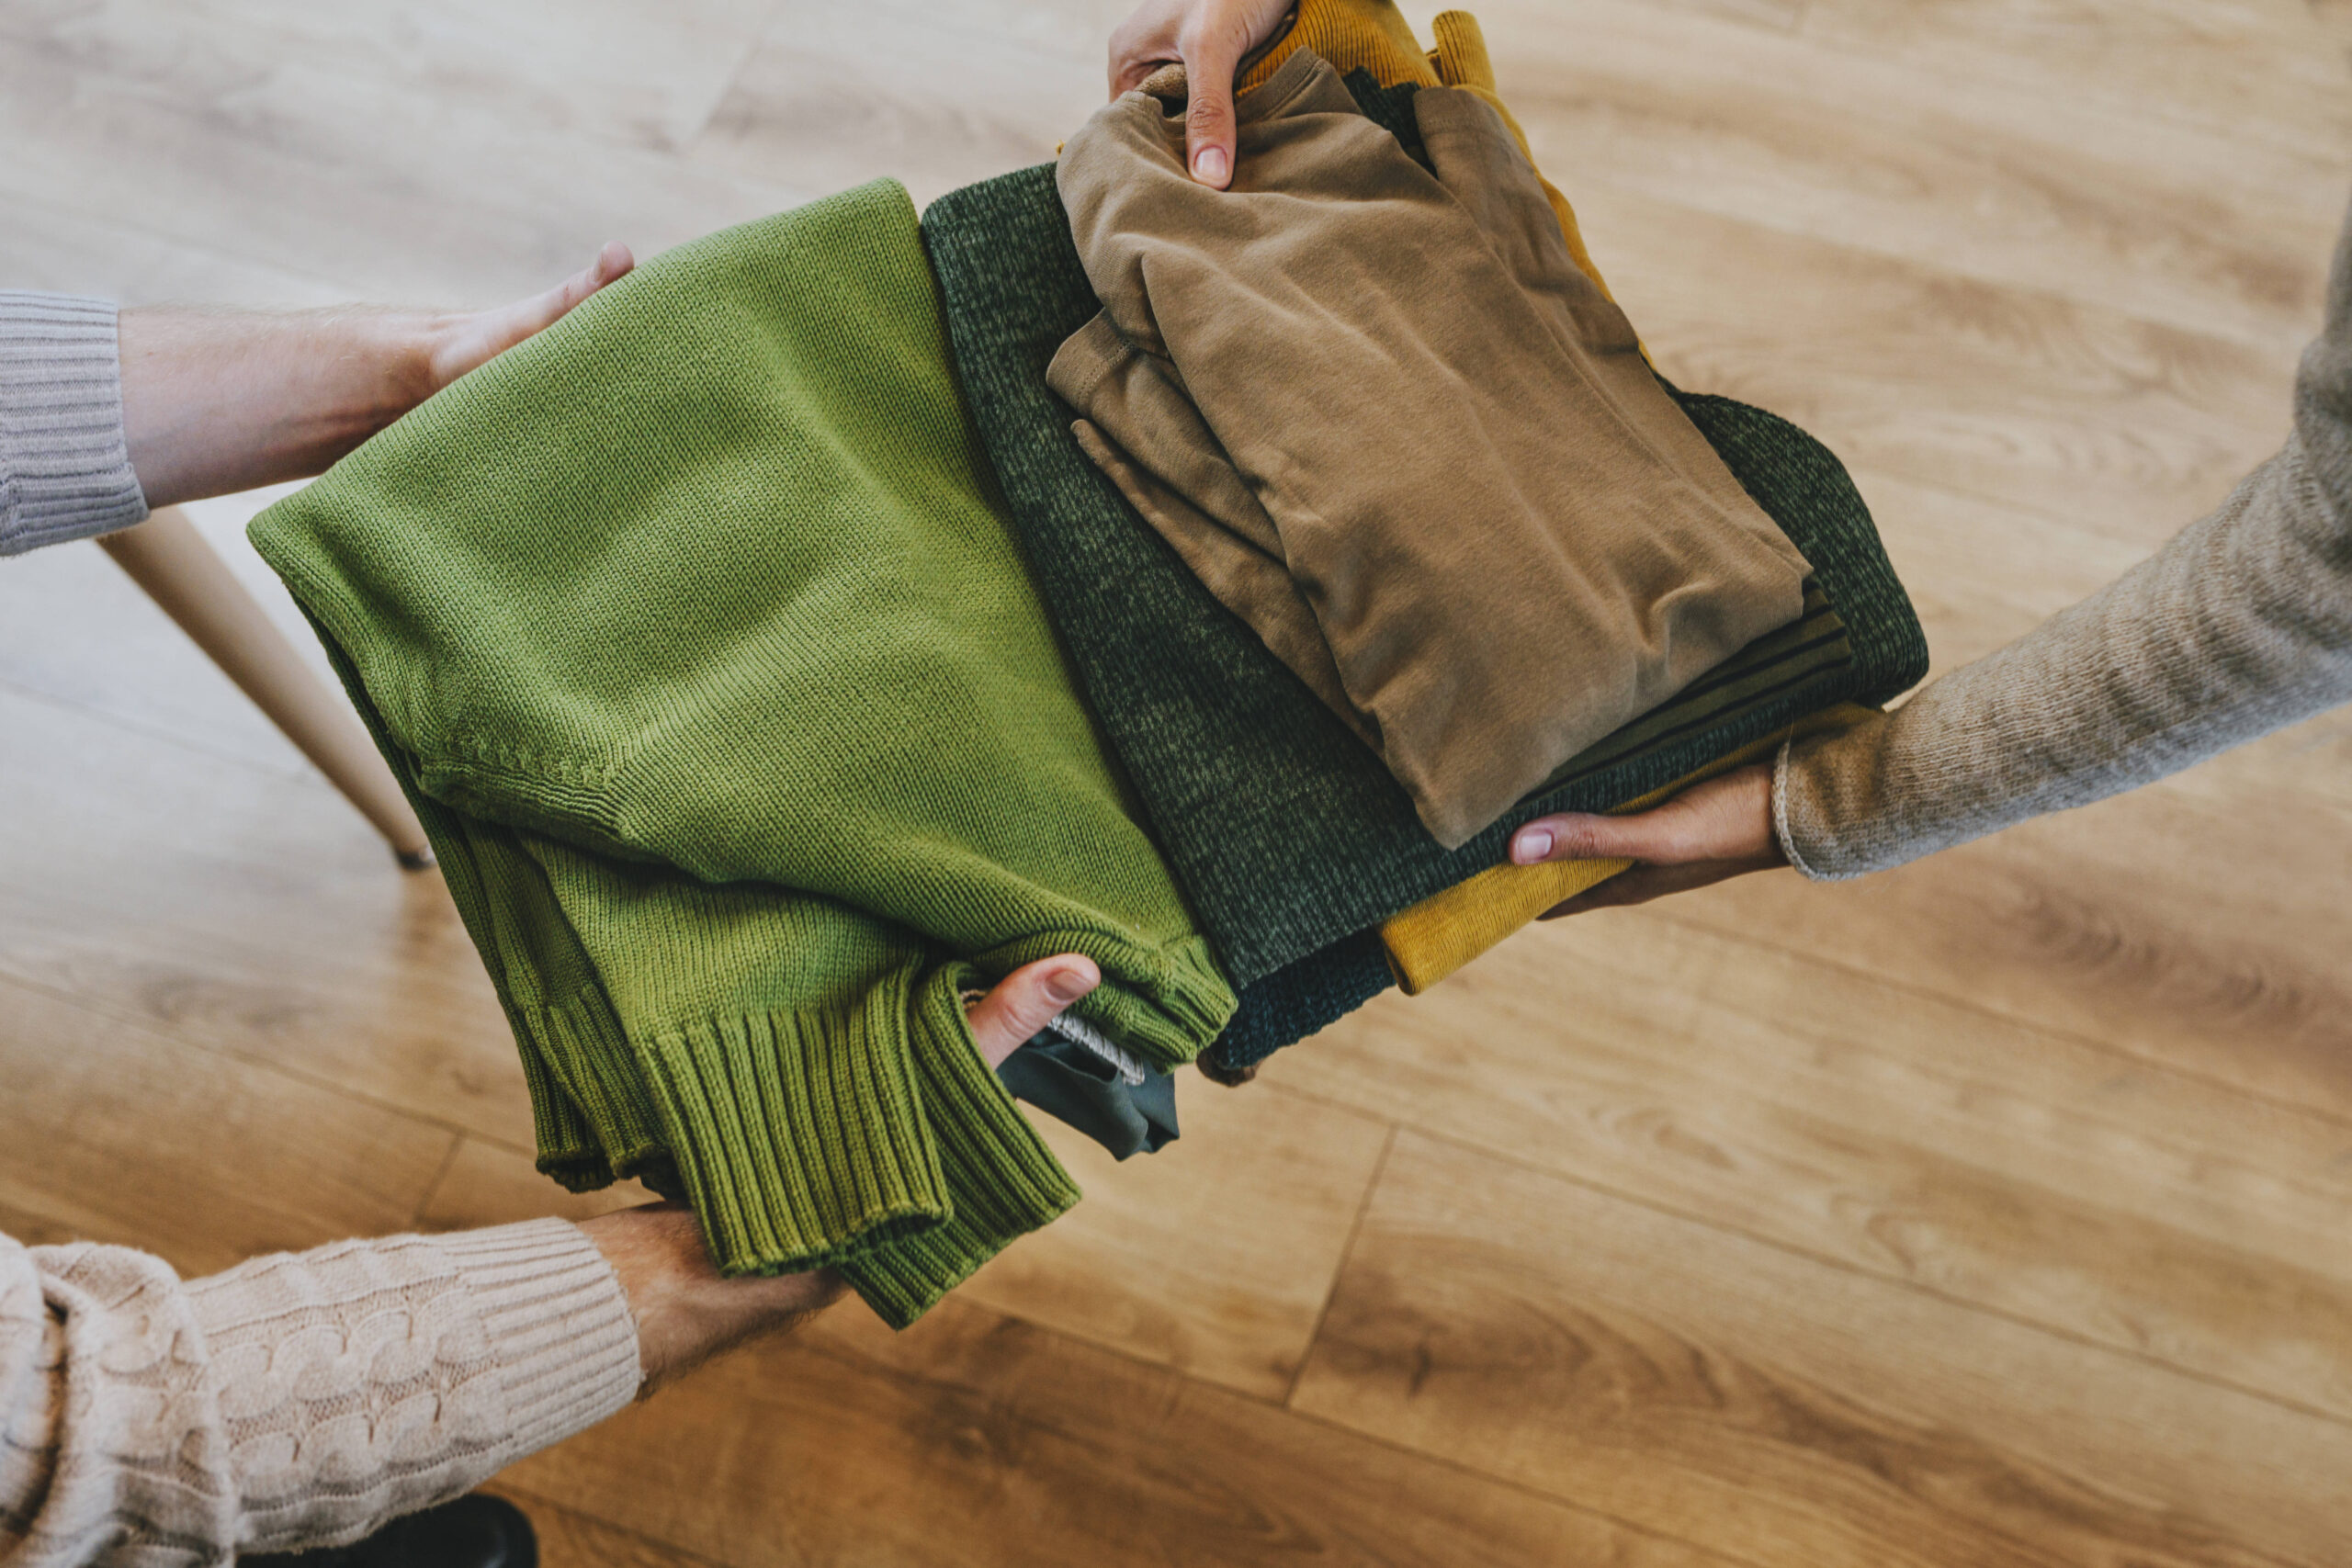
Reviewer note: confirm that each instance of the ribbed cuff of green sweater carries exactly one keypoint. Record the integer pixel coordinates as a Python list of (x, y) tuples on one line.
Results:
[(597, 1118), (800, 1137), (1002, 1179)]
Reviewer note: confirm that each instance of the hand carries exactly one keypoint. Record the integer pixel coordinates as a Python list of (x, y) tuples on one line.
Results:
[(1711, 831), (1210, 36), (461, 343), (217, 402), (687, 1312)]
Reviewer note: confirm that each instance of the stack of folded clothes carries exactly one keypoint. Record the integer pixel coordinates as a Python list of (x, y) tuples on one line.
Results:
[(1312, 873), (775, 659)]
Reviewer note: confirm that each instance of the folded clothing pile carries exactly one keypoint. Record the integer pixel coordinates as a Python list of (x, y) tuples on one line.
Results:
[(1306, 861), (775, 658), (1386, 422), (697, 630)]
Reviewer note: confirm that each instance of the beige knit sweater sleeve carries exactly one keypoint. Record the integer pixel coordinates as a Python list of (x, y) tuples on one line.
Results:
[(297, 1400), (2241, 626)]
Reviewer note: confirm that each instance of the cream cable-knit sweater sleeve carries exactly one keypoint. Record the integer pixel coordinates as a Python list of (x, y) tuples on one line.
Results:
[(64, 465), (297, 1400), (2241, 626)]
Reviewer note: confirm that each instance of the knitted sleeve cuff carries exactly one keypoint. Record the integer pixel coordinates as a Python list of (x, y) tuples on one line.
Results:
[(557, 1323), (366, 1379), (65, 462)]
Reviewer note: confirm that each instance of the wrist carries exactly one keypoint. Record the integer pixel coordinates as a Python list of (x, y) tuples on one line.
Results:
[(687, 1312)]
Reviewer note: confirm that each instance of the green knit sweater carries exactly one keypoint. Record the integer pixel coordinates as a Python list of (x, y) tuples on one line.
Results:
[(699, 634)]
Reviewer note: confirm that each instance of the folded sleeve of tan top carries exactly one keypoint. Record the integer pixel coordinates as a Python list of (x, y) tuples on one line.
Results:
[(1497, 539)]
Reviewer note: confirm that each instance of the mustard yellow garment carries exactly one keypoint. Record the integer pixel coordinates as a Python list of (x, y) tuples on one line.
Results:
[(1372, 34), (1446, 931)]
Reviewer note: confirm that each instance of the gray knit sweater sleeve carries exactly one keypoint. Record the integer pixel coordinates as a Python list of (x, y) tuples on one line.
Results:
[(64, 465), (2241, 626), (296, 1399)]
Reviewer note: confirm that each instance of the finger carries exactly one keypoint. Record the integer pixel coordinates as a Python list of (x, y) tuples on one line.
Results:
[(1144, 43), (1026, 1000), (472, 341), (536, 315), (1578, 836), (1725, 819), (1209, 63)]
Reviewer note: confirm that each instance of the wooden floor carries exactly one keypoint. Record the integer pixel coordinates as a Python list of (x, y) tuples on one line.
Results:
[(1995, 1211)]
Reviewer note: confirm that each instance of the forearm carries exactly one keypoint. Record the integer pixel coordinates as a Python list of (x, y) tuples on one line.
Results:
[(217, 402), (2241, 626), (296, 1400)]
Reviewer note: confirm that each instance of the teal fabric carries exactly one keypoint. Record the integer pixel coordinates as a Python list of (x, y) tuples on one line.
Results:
[(1075, 1086)]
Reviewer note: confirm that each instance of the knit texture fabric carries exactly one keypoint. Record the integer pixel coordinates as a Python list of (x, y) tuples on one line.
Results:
[(698, 632), (64, 465), (299, 1400), (1289, 836)]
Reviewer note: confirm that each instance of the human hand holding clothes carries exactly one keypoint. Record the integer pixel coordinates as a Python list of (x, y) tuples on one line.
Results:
[(215, 401), (1718, 829), (1210, 38)]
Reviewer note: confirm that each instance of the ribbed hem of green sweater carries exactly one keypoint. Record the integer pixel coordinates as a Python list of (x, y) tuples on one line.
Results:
[(874, 1138), (800, 1137), (1003, 1180), (948, 1174)]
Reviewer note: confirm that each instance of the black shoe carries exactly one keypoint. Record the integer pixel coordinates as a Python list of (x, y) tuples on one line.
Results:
[(472, 1531)]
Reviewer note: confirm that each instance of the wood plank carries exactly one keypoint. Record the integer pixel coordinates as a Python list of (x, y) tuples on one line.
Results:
[(257, 916), (320, 166), (1772, 1094), (1592, 1348), (489, 1184), (2129, 426), (1980, 573), (823, 101), (114, 1133), (2197, 933), (2256, 70), (1156, 1262), (1987, 177), (978, 1439), (67, 251), (595, 70), (75, 632)]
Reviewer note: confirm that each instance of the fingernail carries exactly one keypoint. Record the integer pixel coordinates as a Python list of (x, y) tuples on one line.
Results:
[(1209, 168), (1533, 846), (1067, 986)]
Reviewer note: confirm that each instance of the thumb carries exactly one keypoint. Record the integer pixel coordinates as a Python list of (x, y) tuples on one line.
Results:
[(1027, 999), (1209, 64), (1578, 836), (1728, 818)]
